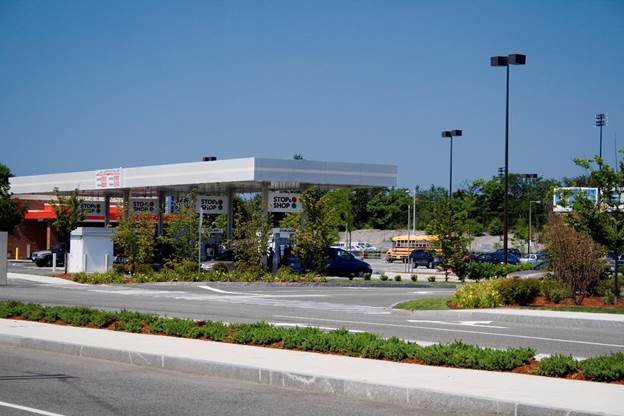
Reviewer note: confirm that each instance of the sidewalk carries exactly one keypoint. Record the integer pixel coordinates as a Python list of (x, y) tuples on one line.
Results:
[(468, 392)]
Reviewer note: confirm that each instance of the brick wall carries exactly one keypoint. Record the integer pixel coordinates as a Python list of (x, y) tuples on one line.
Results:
[(30, 232)]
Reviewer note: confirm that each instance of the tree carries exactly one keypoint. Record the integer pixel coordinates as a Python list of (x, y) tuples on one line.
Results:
[(495, 227), (68, 214), (576, 259), (448, 225), (604, 221), (319, 231), (340, 203), (290, 220), (135, 239), (388, 209), (182, 233), (11, 213), (251, 237)]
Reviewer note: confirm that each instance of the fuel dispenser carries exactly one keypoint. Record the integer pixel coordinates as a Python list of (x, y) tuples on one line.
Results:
[(281, 245)]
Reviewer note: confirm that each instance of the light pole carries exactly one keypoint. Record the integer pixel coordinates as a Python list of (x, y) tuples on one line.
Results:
[(513, 59), (529, 244), (601, 121), (451, 134)]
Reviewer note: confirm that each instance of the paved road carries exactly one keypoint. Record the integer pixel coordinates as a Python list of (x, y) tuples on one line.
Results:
[(356, 308), (62, 385)]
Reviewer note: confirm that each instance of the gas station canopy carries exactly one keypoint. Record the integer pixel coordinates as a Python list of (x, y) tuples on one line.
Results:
[(217, 176)]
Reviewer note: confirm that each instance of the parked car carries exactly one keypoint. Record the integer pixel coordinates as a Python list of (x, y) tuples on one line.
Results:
[(513, 251), (534, 257), (421, 258), (497, 257), (44, 257), (342, 263)]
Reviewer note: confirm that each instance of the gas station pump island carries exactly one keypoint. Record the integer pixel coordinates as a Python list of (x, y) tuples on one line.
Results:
[(111, 194)]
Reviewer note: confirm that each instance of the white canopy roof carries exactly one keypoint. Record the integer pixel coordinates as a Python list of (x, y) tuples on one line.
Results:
[(239, 175)]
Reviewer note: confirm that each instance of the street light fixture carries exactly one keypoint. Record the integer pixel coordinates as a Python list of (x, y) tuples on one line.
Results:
[(513, 59), (450, 134), (601, 121), (529, 243)]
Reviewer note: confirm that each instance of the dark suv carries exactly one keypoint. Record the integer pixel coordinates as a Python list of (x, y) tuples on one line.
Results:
[(421, 258), (343, 263), (44, 257)]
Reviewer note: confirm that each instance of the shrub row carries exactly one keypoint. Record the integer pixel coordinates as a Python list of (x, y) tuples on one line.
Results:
[(366, 345), (494, 293), (478, 271), (167, 275), (603, 368)]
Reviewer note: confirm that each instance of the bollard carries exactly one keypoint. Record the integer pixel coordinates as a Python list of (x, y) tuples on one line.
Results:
[(4, 238), (53, 262), (16, 253), (105, 262), (84, 262), (28, 253)]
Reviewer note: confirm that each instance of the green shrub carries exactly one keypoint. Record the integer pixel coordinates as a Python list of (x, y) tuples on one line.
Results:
[(609, 298), (73, 316), (458, 354), (478, 295), (367, 276), (604, 368), (431, 279), (259, 333), (414, 277), (397, 277), (477, 271), (605, 286), (214, 331), (518, 291), (99, 278), (31, 312), (8, 309), (221, 268), (101, 319), (383, 277), (174, 327), (557, 366), (552, 290)]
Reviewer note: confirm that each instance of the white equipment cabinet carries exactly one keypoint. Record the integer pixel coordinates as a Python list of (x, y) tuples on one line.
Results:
[(91, 249)]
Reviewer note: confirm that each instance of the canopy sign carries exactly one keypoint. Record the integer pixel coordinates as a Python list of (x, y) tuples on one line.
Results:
[(91, 208), (144, 206), (212, 204), (284, 202), (108, 178)]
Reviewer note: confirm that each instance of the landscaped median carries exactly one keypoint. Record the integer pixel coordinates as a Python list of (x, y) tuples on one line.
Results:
[(365, 345)]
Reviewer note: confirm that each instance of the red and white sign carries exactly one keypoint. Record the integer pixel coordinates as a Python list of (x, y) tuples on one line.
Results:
[(144, 206), (108, 178)]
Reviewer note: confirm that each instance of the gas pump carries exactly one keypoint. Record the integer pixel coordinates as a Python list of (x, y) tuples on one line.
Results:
[(211, 246), (283, 240)]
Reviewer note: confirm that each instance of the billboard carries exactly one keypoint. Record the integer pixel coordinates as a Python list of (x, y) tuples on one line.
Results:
[(92, 208), (571, 194), (284, 202)]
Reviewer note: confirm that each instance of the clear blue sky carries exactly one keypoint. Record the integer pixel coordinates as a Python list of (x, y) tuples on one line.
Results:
[(98, 84)]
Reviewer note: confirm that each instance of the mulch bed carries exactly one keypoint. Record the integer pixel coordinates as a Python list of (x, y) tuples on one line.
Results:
[(588, 302)]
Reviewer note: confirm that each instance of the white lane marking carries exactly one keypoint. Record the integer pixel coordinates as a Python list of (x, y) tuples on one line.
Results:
[(481, 324), (425, 292), (214, 289), (570, 341), (29, 409), (225, 292)]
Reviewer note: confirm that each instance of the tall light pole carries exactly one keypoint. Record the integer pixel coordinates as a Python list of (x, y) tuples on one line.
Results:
[(450, 134), (514, 59), (601, 121), (530, 221)]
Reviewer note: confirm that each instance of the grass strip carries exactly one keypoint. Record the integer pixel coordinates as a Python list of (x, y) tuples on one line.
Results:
[(366, 345), (433, 303)]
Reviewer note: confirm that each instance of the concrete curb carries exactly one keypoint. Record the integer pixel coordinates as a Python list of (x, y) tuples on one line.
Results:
[(417, 398)]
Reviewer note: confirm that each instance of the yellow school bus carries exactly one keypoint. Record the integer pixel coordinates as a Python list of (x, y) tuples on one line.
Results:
[(403, 245)]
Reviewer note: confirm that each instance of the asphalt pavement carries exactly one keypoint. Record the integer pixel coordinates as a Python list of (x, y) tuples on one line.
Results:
[(32, 382), (356, 308)]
